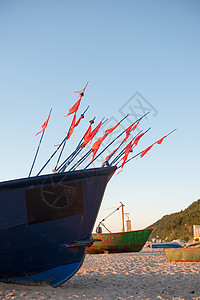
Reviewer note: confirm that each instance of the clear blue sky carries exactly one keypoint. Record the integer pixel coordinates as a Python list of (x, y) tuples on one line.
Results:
[(129, 51)]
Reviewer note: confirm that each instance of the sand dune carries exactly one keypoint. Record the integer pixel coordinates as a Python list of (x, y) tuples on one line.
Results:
[(143, 275)]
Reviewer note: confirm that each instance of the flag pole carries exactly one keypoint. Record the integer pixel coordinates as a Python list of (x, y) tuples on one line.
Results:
[(51, 156), (65, 143), (138, 120), (38, 148)]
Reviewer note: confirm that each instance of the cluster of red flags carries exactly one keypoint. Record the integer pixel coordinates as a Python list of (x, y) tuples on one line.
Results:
[(89, 135), (129, 147), (128, 132), (127, 150), (97, 144)]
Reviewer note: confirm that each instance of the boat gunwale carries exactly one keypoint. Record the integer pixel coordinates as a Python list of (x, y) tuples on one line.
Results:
[(120, 232)]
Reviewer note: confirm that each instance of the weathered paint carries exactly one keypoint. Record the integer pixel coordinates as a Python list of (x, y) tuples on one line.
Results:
[(131, 241), (183, 254)]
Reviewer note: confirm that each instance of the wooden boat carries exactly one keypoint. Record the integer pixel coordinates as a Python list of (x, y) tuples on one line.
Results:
[(130, 241), (46, 223), (191, 254)]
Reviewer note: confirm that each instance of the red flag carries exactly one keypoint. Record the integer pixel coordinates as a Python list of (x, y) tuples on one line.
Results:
[(87, 136), (108, 131), (72, 127), (128, 147), (82, 89), (74, 108), (160, 141), (135, 126), (146, 150), (108, 157), (94, 132), (127, 151), (128, 130), (96, 145), (138, 138), (77, 123), (44, 125)]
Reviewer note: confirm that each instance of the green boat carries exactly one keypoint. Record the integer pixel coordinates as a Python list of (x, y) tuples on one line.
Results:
[(119, 242), (183, 254)]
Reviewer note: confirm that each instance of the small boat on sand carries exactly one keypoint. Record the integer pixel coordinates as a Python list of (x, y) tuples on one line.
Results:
[(190, 254), (166, 245), (119, 242)]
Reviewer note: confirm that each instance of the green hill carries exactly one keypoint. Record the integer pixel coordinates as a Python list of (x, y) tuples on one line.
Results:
[(178, 225)]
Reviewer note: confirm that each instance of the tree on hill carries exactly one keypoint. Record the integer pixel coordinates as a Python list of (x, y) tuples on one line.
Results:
[(178, 225)]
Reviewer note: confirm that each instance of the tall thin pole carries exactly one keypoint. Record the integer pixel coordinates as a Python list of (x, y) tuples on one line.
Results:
[(122, 207), (38, 149), (52, 156)]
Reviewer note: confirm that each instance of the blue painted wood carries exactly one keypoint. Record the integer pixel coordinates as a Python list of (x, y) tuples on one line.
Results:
[(38, 215)]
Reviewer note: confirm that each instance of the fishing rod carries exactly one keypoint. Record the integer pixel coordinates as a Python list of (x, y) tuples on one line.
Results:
[(149, 147), (132, 126), (45, 124), (122, 152), (66, 140), (77, 151)]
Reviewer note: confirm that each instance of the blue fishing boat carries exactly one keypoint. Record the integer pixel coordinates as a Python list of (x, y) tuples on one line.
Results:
[(46, 223), (166, 245)]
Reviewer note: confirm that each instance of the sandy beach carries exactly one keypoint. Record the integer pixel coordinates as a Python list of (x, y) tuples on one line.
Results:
[(143, 275)]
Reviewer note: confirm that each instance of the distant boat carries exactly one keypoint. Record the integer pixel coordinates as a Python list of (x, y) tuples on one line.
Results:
[(166, 245), (119, 242), (183, 255), (46, 223)]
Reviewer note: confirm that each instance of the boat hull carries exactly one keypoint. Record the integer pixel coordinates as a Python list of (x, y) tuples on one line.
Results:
[(166, 245), (131, 241), (46, 224), (183, 255)]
